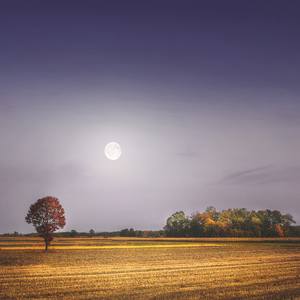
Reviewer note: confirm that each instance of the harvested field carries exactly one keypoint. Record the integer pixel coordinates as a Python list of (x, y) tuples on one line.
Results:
[(103, 268)]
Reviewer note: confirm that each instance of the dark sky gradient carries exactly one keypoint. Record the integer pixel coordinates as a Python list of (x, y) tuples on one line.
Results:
[(203, 97)]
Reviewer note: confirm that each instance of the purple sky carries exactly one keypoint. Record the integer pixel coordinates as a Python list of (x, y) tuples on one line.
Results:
[(203, 97)]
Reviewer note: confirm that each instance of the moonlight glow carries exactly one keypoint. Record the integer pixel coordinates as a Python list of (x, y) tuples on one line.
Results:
[(113, 151)]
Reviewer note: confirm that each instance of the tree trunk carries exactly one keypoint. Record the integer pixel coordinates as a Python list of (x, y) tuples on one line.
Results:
[(46, 245)]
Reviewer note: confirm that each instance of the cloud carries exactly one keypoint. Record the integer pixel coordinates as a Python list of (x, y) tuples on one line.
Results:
[(269, 174)]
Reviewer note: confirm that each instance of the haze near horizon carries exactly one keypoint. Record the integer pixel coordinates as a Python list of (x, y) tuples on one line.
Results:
[(202, 98)]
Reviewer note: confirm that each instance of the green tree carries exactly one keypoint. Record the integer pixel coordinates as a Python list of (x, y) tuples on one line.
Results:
[(196, 225), (73, 233), (178, 224)]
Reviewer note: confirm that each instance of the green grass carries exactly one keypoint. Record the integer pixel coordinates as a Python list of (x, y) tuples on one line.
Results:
[(97, 268)]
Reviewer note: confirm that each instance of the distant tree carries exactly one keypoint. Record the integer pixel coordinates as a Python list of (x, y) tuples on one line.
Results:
[(138, 233), (178, 224), (128, 232), (286, 223), (92, 232), (212, 212), (132, 232), (237, 222), (46, 215), (196, 225), (73, 232), (294, 231), (279, 230), (124, 232)]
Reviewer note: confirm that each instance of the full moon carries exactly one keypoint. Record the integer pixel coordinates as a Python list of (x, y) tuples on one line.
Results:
[(113, 151)]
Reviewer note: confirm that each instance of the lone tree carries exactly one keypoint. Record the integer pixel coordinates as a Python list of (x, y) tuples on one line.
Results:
[(46, 215)]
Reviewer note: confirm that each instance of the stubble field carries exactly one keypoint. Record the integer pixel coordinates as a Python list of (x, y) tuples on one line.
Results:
[(103, 268)]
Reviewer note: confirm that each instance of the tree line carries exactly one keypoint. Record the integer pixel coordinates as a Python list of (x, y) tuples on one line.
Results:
[(126, 232), (47, 216), (236, 222)]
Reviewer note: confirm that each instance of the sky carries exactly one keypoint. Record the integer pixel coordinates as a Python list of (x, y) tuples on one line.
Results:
[(202, 96)]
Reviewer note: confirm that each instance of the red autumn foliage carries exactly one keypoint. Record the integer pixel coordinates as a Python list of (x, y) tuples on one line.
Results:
[(279, 230), (46, 215)]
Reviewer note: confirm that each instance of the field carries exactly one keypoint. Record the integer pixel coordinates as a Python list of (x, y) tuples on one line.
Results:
[(104, 268)]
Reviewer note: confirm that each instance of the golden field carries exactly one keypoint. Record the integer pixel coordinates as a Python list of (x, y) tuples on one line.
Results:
[(158, 268)]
